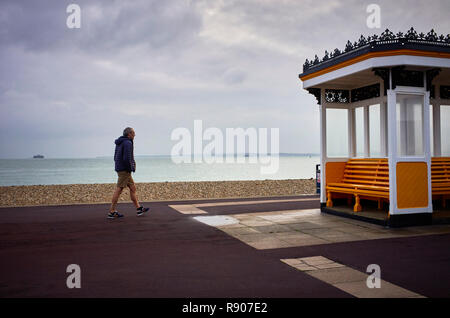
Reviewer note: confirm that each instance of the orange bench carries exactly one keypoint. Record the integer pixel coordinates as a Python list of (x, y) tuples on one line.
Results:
[(440, 178), (369, 179), (363, 178)]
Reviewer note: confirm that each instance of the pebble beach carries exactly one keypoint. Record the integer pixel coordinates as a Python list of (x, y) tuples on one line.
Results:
[(39, 195)]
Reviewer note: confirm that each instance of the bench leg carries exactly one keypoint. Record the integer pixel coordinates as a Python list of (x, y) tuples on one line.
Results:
[(329, 201), (380, 204), (357, 207)]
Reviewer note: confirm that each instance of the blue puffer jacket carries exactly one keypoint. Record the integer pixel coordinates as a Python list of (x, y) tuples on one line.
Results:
[(123, 155)]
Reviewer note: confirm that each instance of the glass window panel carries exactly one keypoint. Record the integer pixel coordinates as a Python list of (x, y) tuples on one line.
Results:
[(375, 132), (337, 132), (445, 130), (359, 131), (409, 125)]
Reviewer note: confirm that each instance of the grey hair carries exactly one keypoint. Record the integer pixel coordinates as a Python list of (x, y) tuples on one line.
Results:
[(126, 131)]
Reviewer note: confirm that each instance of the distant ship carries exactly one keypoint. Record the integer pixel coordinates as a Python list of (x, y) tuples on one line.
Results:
[(38, 157)]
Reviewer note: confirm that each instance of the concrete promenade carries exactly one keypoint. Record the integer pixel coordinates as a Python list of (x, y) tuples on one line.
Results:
[(274, 247)]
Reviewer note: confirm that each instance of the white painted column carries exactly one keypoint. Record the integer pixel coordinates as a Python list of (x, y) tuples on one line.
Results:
[(392, 149), (437, 129), (351, 133), (323, 146), (366, 132), (427, 147), (383, 129)]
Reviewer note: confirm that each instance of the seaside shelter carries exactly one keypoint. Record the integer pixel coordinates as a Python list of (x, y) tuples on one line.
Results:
[(384, 106)]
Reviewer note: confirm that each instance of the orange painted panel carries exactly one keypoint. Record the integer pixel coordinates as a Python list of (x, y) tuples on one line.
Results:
[(412, 185), (334, 171)]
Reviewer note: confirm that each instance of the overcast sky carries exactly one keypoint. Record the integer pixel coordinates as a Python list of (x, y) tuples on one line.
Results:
[(158, 65)]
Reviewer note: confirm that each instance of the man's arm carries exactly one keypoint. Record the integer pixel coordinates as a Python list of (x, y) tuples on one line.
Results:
[(128, 156)]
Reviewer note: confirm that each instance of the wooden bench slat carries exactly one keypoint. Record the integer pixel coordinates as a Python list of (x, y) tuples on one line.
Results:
[(366, 164), (361, 191), (355, 171), (356, 185), (367, 173), (359, 188), (363, 166), (440, 186), (365, 181), (370, 177), (363, 170), (356, 181)]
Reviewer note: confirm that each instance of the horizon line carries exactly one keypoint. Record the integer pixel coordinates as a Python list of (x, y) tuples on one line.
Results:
[(167, 155)]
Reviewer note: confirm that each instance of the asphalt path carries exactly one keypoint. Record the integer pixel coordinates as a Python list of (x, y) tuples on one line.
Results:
[(171, 255)]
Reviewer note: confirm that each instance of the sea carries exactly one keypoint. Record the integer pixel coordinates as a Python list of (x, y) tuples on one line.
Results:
[(48, 171)]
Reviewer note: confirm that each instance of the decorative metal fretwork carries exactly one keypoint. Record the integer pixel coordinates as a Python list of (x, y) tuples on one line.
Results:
[(337, 96), (384, 74), (402, 77), (316, 93), (386, 38), (366, 92), (430, 75), (445, 92)]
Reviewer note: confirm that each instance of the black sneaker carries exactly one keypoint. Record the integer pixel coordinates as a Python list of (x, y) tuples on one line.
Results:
[(114, 215), (141, 210)]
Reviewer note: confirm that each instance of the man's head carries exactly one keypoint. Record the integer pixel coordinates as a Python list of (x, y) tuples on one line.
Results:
[(129, 132)]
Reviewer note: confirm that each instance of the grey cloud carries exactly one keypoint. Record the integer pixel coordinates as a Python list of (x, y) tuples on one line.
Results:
[(158, 65), (106, 26), (234, 76)]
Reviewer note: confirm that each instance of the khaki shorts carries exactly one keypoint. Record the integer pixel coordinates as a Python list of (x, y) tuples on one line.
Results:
[(125, 179)]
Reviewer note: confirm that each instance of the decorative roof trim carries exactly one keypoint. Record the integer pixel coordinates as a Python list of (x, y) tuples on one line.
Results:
[(359, 58), (386, 41)]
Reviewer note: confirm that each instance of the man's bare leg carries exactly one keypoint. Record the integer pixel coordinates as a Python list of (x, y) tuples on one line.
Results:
[(115, 198), (133, 196)]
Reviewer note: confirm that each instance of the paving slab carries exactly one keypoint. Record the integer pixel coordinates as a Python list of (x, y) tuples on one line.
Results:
[(347, 279), (387, 290), (339, 275)]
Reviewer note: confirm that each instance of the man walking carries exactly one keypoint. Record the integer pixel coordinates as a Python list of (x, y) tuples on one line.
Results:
[(124, 165)]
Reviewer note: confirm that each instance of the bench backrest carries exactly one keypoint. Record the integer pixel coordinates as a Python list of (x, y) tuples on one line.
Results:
[(375, 171), (367, 171), (440, 169)]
